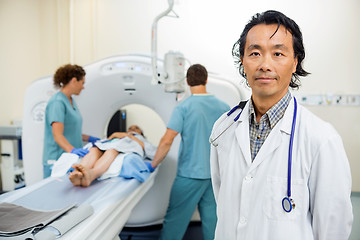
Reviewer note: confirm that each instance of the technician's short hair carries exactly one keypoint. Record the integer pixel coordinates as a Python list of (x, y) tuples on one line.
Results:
[(196, 75), (268, 18)]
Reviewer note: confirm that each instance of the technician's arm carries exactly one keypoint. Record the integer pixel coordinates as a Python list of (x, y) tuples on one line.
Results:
[(88, 138), (58, 133), (85, 137), (164, 147)]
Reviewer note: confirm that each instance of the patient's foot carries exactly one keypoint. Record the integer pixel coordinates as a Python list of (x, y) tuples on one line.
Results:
[(87, 176), (76, 177)]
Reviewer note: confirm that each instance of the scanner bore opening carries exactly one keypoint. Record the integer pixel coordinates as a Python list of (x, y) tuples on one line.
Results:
[(137, 114)]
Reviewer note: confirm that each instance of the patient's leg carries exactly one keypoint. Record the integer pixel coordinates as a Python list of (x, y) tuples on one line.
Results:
[(100, 167), (75, 177), (90, 159)]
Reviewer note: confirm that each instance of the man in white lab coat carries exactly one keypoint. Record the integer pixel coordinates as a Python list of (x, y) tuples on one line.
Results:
[(260, 194)]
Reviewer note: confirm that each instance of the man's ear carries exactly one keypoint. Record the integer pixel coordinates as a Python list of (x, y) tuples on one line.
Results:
[(295, 64), (242, 62)]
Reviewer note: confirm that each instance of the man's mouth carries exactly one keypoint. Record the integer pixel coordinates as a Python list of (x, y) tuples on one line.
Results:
[(265, 79)]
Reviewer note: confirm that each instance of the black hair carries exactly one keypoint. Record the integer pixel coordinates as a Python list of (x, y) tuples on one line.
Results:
[(273, 17)]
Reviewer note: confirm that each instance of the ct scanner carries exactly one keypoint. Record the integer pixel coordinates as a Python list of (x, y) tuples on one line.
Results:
[(111, 83)]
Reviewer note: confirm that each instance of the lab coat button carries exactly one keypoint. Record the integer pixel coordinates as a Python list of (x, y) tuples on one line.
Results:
[(243, 220), (248, 177)]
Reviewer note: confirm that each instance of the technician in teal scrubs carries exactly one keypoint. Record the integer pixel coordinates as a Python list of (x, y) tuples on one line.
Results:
[(63, 121), (193, 119)]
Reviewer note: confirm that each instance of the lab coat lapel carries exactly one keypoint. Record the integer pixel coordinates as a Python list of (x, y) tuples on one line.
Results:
[(242, 134), (277, 136)]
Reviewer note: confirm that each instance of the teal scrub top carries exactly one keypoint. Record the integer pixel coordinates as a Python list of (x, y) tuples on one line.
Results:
[(59, 109), (194, 119)]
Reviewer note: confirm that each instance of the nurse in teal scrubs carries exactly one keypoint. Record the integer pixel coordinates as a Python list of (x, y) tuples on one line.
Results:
[(63, 121)]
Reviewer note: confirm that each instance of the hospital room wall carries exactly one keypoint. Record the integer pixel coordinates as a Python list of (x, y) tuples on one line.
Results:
[(34, 41), (40, 35)]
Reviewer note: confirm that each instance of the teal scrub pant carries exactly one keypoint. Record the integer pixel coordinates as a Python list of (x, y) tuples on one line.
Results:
[(186, 194), (47, 170)]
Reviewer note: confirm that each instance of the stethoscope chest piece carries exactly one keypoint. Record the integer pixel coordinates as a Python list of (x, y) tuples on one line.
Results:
[(288, 204)]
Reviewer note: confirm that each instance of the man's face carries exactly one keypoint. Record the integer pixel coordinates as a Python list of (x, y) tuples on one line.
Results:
[(269, 61)]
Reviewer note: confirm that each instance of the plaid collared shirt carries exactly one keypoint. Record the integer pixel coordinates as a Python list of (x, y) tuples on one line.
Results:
[(258, 132)]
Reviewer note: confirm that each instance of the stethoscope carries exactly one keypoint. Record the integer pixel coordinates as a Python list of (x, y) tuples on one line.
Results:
[(288, 203), (241, 105)]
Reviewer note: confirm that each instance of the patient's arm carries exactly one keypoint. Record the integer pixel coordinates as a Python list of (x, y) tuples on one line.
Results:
[(137, 140), (125, 134), (118, 135)]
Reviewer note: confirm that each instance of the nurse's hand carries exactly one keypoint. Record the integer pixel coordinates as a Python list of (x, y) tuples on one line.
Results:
[(93, 139), (80, 151), (148, 164)]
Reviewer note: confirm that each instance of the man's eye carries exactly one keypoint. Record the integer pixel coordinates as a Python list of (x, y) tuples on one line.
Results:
[(254, 54), (279, 54)]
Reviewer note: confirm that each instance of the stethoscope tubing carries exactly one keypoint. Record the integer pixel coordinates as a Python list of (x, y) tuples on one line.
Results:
[(291, 148), (212, 141)]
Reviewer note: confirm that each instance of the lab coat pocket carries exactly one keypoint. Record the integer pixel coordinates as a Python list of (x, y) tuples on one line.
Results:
[(276, 190)]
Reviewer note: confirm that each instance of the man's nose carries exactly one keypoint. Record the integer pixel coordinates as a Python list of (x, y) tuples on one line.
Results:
[(266, 64)]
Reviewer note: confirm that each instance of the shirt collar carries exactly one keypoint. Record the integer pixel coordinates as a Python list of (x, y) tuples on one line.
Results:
[(201, 94), (275, 113)]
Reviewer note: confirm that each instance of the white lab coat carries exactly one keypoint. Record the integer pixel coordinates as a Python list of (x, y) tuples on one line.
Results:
[(249, 194)]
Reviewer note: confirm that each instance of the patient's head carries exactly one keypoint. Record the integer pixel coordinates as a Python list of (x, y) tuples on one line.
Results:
[(135, 128)]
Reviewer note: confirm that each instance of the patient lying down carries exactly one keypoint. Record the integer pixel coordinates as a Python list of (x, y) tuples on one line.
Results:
[(130, 146)]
